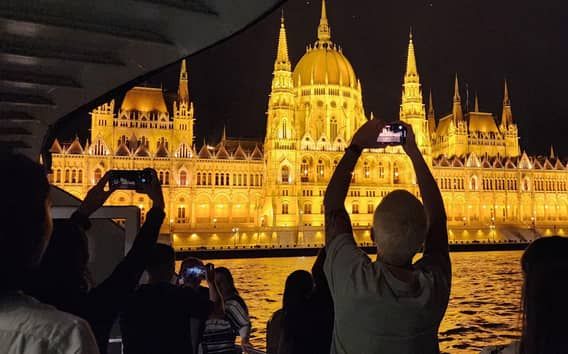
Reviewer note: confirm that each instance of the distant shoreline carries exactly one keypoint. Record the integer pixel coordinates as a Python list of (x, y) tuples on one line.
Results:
[(274, 252)]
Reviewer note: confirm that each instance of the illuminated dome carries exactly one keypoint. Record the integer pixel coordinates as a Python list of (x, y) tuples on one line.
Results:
[(324, 61)]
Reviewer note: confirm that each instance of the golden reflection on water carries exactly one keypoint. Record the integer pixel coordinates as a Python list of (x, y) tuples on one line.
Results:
[(483, 309)]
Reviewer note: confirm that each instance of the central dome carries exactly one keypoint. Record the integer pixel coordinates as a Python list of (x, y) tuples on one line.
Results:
[(322, 61)]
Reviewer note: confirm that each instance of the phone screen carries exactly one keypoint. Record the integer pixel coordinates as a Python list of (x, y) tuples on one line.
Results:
[(194, 272), (392, 134), (124, 179)]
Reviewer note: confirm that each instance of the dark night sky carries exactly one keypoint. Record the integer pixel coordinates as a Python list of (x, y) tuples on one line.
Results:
[(483, 41)]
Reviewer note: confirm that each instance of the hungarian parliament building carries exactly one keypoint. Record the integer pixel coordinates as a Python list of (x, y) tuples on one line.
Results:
[(270, 193)]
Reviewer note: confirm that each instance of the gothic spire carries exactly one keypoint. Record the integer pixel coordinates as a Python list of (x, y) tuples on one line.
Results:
[(457, 97), (506, 100), (324, 32), (431, 115), (183, 88), (411, 70), (507, 115), (282, 59), (476, 104), (457, 107)]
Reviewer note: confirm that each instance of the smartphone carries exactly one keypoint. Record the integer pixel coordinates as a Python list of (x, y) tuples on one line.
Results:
[(194, 272), (392, 134), (129, 179)]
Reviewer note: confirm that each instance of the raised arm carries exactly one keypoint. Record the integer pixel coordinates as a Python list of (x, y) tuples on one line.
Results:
[(336, 218), (437, 236), (214, 293), (126, 275)]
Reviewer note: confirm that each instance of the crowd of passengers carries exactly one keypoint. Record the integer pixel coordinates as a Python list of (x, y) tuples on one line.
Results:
[(347, 304)]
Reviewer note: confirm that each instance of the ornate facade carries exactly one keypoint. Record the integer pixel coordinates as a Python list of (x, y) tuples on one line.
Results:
[(249, 193)]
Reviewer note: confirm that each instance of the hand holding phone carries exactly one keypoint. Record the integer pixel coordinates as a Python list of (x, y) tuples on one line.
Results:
[(129, 179), (393, 134)]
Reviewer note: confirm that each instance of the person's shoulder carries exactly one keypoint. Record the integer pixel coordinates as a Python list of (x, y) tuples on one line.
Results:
[(60, 329), (436, 264)]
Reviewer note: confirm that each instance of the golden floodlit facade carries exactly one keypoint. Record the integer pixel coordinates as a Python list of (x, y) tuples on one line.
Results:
[(245, 193)]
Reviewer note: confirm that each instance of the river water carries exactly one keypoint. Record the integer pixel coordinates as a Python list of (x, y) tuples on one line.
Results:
[(483, 309)]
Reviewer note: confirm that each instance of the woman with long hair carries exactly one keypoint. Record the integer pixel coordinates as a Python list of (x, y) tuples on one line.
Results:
[(544, 307), (281, 328), (220, 332), (305, 322)]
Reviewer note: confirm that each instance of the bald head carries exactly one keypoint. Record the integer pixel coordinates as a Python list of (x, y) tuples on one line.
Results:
[(399, 227)]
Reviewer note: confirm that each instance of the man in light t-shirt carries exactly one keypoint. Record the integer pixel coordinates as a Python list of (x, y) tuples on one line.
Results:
[(26, 325), (391, 305)]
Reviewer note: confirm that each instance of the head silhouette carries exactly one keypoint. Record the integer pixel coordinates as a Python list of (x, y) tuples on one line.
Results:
[(190, 279), (161, 263), (25, 217), (399, 227), (225, 282), (545, 268), (298, 288), (66, 259)]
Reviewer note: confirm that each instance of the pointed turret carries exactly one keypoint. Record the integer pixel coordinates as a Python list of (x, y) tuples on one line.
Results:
[(411, 69), (507, 115), (412, 109), (324, 33), (183, 88), (476, 104), (431, 115), (457, 107), (552, 154), (282, 59)]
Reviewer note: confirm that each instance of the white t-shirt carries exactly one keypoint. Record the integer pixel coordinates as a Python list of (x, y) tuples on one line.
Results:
[(28, 326), (375, 312)]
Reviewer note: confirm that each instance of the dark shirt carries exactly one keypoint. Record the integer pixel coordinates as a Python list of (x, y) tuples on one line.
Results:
[(156, 319), (102, 304)]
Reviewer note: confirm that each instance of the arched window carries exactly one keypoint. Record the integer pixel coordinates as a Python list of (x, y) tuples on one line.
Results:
[(198, 178), (97, 175), (285, 174), (227, 181), (381, 170), (79, 176), (320, 169), (395, 175), (284, 208), (355, 208), (333, 128), (209, 178), (66, 175), (167, 178), (307, 208), (304, 170), (366, 169), (58, 176), (184, 151), (216, 179), (183, 178)]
